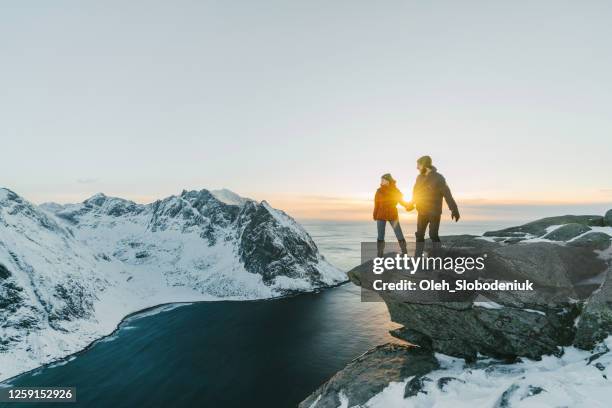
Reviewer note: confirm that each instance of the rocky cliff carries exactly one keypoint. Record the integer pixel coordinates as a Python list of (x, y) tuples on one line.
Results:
[(569, 257)]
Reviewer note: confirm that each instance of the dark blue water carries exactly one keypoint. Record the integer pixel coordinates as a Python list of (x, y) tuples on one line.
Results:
[(223, 354)]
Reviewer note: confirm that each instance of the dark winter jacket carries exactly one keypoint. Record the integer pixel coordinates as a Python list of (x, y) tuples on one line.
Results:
[(428, 192), (385, 203)]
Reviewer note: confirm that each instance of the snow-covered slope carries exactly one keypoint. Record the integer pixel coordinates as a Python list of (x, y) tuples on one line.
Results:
[(229, 197), (577, 379), (69, 273)]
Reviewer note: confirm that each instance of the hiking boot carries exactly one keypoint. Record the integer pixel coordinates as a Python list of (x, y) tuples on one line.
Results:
[(418, 249), (380, 248), (402, 244), (436, 249)]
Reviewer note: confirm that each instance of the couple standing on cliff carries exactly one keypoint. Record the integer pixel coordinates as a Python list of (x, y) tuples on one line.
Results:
[(429, 189)]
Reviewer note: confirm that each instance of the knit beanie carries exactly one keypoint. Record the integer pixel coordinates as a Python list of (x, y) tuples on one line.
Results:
[(387, 176), (424, 161)]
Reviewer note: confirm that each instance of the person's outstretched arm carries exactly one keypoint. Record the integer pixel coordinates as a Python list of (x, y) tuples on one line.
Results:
[(411, 204), (450, 201), (406, 204)]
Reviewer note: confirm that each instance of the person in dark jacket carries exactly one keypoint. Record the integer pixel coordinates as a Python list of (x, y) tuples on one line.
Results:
[(429, 190), (387, 197)]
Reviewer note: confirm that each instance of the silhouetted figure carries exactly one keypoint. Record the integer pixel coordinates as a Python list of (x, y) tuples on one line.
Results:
[(429, 189), (386, 200)]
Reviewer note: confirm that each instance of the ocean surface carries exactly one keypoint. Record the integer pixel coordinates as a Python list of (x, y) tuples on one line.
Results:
[(269, 353)]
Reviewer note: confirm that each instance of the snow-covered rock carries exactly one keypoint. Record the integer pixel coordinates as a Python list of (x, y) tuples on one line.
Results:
[(229, 197), (70, 273), (579, 378)]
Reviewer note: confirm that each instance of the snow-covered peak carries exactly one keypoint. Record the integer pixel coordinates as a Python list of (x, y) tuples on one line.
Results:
[(96, 199), (229, 197), (21, 215), (7, 195)]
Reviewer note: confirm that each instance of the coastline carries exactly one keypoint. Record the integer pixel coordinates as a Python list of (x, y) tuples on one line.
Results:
[(144, 312)]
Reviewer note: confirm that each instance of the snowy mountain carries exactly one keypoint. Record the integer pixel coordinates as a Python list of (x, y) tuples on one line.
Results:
[(70, 273)]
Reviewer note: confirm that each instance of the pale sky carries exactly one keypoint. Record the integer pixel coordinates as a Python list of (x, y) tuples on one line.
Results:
[(306, 103)]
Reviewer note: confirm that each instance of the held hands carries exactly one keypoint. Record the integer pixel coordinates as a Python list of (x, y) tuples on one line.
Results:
[(455, 216), (409, 206)]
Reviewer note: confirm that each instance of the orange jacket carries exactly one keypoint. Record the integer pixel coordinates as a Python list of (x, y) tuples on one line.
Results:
[(385, 203)]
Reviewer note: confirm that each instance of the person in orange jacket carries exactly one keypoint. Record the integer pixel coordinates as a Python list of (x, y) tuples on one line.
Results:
[(387, 197)]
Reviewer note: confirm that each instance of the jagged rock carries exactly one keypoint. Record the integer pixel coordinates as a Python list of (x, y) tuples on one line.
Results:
[(270, 248), (141, 254), (538, 228), (504, 400), (533, 390), (524, 323), (444, 381), (415, 386), (595, 322), (513, 240), (594, 240), (567, 232), (608, 218), (368, 374), (4, 273)]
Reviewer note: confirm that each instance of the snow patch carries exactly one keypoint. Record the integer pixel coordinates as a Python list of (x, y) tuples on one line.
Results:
[(229, 197)]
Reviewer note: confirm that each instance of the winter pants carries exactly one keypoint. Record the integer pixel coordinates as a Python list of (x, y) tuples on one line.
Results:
[(380, 226), (434, 225)]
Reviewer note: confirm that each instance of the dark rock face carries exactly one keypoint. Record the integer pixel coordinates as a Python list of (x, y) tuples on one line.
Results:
[(444, 381), (10, 296), (271, 249), (595, 322), (76, 302), (15, 313), (416, 386), (522, 323), (608, 218), (538, 228), (567, 232), (4, 273), (594, 240), (370, 373)]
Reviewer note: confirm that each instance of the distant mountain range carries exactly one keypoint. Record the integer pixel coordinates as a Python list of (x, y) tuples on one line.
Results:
[(70, 273)]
